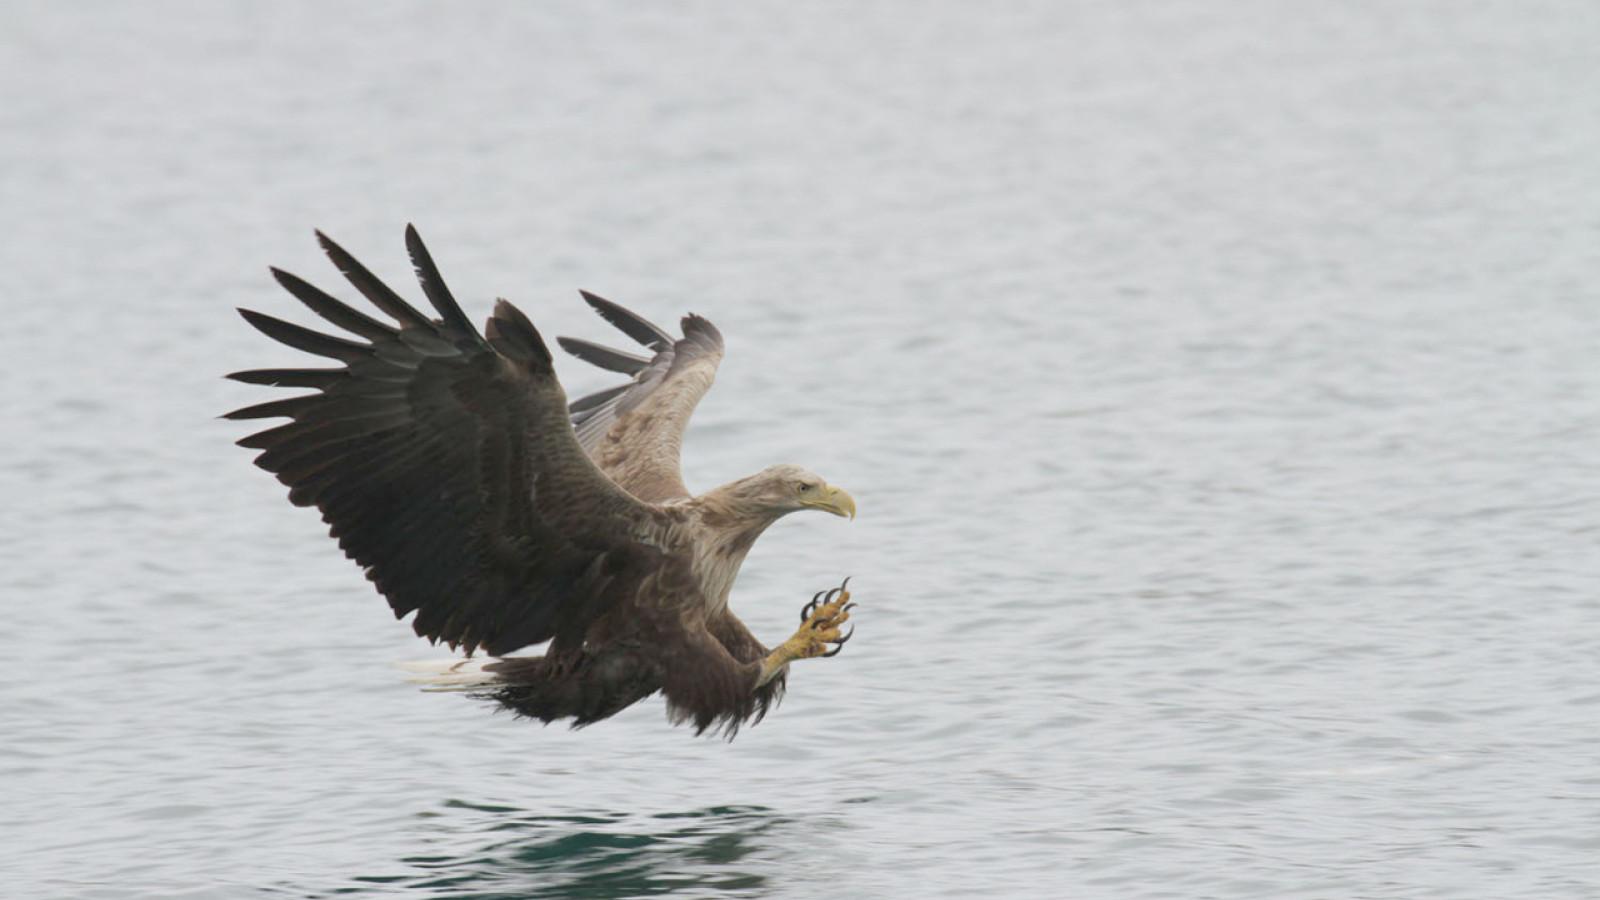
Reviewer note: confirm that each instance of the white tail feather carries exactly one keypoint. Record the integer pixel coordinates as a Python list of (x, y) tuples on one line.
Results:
[(451, 674)]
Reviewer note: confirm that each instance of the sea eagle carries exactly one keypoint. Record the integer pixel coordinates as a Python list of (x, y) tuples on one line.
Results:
[(450, 467)]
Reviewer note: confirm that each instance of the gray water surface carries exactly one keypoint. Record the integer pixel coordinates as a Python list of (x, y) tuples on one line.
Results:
[(1218, 383)]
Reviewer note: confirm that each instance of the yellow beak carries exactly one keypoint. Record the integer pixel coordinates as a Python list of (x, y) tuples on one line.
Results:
[(836, 500)]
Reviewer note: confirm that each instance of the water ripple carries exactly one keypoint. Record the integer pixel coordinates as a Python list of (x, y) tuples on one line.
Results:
[(498, 853)]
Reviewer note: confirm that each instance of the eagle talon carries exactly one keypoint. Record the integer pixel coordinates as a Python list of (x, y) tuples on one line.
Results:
[(809, 608), (818, 635), (825, 598), (838, 644)]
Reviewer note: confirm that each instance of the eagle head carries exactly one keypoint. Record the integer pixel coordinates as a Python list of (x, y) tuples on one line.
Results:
[(786, 488)]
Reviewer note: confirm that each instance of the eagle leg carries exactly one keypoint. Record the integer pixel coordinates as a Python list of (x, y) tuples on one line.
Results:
[(819, 627)]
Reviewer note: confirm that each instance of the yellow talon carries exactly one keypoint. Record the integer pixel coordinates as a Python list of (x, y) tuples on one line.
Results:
[(819, 627)]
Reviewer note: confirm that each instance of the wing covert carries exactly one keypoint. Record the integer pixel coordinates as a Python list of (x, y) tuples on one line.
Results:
[(634, 431)]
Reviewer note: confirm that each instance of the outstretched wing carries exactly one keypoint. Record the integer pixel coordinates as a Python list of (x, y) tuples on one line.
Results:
[(446, 466), (634, 431)]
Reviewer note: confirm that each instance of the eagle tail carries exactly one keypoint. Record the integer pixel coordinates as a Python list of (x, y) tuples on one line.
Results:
[(538, 687), (452, 674)]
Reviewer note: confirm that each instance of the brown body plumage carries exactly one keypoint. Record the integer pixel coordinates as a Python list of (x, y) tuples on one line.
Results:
[(449, 465)]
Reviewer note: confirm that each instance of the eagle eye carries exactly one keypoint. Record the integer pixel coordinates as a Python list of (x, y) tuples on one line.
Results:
[(803, 488)]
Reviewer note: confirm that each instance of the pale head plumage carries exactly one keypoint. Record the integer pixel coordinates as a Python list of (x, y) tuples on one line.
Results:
[(778, 490)]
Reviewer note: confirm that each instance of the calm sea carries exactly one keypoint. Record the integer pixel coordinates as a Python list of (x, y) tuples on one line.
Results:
[(1220, 385)]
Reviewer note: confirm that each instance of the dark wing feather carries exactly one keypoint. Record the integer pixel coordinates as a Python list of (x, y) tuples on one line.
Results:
[(454, 320), (630, 323), (634, 431), (372, 288), (445, 465), (605, 357)]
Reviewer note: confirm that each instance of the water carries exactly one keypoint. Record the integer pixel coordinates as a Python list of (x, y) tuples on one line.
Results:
[(1218, 384)]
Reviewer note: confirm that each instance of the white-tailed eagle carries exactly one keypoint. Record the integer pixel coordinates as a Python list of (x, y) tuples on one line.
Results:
[(450, 467)]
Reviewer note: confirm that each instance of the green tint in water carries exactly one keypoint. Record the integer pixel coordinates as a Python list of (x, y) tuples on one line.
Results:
[(599, 855)]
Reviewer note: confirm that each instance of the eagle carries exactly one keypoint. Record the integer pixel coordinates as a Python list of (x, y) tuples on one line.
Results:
[(449, 465)]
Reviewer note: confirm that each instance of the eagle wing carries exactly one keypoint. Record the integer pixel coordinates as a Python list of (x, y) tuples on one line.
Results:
[(444, 463), (634, 431)]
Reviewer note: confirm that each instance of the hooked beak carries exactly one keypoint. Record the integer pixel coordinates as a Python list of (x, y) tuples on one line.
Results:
[(835, 500)]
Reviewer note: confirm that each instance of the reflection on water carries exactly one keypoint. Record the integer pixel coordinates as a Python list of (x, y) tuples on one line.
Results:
[(489, 852)]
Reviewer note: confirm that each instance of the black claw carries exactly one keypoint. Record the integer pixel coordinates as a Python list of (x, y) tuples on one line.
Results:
[(839, 644), (809, 608), (847, 607), (822, 598)]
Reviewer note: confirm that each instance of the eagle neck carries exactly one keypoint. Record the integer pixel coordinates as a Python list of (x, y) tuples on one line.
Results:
[(731, 529)]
